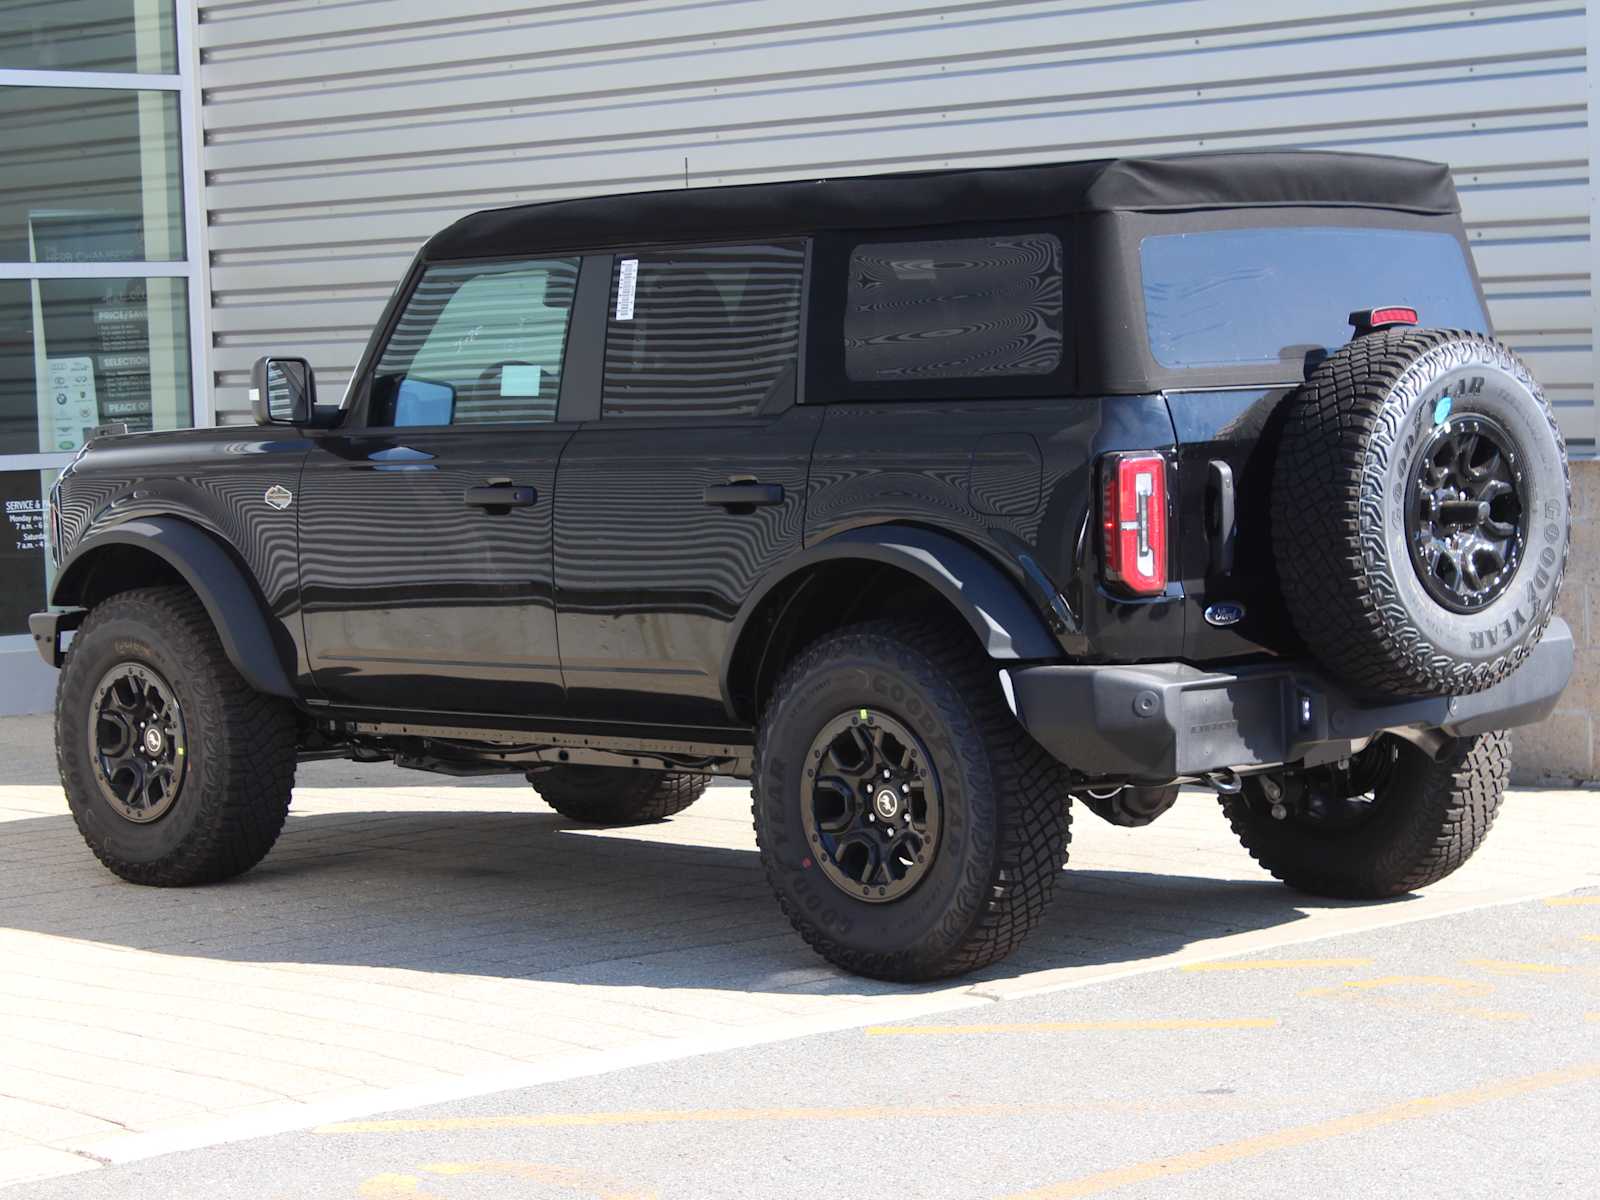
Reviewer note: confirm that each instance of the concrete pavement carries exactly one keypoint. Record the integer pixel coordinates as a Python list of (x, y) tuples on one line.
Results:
[(415, 939), (1457, 1056)]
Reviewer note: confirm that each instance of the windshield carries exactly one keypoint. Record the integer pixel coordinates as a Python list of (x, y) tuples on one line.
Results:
[(1229, 296)]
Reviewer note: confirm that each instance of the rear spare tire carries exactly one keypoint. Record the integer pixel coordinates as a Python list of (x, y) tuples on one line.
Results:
[(1420, 512)]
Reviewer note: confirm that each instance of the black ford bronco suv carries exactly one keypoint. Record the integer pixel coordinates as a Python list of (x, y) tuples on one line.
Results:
[(927, 502)]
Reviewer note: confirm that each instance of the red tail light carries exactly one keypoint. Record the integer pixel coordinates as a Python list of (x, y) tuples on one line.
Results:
[(1133, 521)]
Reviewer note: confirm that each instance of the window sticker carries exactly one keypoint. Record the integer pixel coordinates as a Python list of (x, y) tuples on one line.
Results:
[(519, 379), (627, 283)]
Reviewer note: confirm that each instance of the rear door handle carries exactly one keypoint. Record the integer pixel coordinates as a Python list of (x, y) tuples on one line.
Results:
[(750, 494), (501, 497), (1220, 515)]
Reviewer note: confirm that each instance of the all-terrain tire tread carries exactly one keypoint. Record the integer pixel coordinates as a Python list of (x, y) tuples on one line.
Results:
[(1034, 821), (245, 800), (1327, 526), (1454, 810), (621, 796)]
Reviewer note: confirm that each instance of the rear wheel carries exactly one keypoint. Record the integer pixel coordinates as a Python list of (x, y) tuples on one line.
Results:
[(617, 795), (175, 770), (1393, 821), (909, 826)]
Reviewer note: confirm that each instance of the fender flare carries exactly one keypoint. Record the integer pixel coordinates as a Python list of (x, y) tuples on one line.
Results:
[(1005, 621), (230, 597)]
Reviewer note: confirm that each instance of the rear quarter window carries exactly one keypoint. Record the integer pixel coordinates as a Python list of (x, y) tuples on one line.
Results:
[(958, 308), (1222, 297)]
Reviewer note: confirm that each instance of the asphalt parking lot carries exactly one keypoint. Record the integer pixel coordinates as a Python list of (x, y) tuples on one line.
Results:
[(433, 989)]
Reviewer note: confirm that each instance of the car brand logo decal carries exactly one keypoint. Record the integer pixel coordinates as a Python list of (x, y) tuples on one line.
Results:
[(1225, 614), (279, 497)]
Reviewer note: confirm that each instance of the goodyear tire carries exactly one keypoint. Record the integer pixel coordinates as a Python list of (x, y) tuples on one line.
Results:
[(617, 795), (175, 770), (1420, 512), (1425, 818), (910, 828)]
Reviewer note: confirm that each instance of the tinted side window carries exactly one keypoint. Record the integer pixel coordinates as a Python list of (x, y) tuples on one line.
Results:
[(478, 344), (704, 331), (963, 308)]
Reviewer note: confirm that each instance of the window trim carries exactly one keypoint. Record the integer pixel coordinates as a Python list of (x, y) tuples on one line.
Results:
[(807, 242)]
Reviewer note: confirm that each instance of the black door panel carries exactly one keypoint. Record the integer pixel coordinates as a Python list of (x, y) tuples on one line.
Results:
[(416, 596), (663, 530)]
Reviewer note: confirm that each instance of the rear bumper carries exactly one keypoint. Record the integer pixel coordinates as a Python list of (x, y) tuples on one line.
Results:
[(47, 628), (1161, 721)]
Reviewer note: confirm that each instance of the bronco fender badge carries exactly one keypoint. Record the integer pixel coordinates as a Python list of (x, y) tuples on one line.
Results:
[(280, 497), (1224, 614)]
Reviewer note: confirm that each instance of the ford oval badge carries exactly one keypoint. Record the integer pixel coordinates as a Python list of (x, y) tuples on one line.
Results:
[(1225, 614)]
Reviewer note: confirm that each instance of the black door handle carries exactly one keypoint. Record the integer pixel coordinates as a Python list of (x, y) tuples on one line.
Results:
[(500, 497), (749, 494), (1220, 514)]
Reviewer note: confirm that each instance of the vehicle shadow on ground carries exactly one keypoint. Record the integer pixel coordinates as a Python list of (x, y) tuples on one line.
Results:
[(526, 894)]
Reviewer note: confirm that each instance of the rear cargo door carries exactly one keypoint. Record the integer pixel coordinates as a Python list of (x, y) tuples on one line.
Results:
[(1265, 300)]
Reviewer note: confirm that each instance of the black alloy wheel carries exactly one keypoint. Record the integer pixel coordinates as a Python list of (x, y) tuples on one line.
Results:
[(910, 827), (175, 770), (1420, 513), (1466, 522), (1394, 820), (137, 742), (873, 811)]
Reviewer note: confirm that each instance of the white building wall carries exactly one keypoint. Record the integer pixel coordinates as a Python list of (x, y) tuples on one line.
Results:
[(339, 136)]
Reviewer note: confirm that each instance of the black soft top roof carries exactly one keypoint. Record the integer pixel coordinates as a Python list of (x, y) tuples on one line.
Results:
[(1248, 179)]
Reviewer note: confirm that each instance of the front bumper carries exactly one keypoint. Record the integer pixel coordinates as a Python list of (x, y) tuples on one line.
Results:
[(1157, 722), (47, 628)]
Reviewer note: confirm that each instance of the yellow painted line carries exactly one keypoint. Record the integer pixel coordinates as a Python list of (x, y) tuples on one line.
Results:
[(691, 1116), (1278, 964), (1502, 967), (1589, 937), (1472, 986), (1573, 901), (1309, 1135), (1076, 1026)]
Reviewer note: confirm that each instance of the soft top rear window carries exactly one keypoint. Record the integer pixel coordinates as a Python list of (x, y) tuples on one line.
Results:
[(1223, 297)]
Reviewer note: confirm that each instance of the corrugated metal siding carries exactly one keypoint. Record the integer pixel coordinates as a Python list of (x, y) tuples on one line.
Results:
[(338, 136)]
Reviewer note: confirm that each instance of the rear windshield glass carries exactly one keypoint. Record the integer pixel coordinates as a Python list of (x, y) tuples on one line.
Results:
[(1226, 296)]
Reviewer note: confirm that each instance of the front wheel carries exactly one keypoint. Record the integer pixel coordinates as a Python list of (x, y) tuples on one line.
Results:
[(175, 770), (909, 826), (1392, 821)]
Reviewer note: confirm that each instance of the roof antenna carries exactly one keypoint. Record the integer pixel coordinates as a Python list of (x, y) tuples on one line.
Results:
[(685, 170)]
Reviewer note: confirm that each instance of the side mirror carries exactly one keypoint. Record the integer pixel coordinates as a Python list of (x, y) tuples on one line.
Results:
[(283, 391), (423, 402)]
